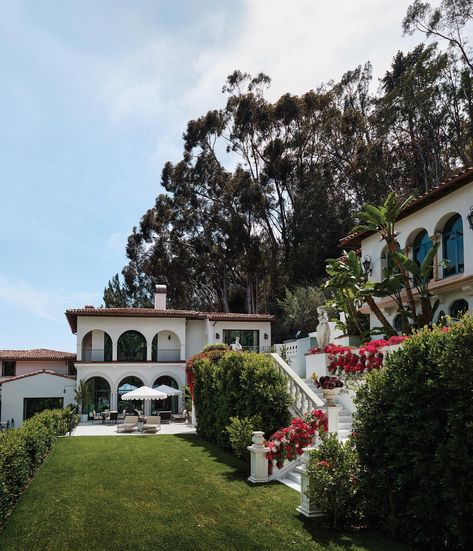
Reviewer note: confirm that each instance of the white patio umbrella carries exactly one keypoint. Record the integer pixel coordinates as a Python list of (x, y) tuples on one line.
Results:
[(169, 390), (144, 393)]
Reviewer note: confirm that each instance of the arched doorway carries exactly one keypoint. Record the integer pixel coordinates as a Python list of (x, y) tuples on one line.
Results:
[(99, 393), (127, 385), (171, 403), (166, 347), (131, 347)]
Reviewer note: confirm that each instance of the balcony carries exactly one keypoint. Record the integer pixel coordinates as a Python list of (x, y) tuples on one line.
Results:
[(167, 355), (96, 355), (105, 355)]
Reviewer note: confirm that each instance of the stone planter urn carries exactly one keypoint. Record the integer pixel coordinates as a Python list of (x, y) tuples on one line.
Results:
[(330, 394)]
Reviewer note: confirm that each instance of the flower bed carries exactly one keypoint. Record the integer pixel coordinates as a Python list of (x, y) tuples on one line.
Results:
[(288, 443)]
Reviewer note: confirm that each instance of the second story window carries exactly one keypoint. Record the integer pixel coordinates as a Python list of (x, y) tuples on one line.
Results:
[(131, 347), (453, 246), (422, 245), (8, 369)]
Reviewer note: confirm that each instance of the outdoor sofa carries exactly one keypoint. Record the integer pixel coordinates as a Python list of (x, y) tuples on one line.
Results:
[(152, 425)]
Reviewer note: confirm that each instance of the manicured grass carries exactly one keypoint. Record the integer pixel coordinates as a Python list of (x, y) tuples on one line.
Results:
[(161, 493)]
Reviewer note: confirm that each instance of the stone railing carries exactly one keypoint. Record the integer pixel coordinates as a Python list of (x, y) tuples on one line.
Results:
[(303, 397)]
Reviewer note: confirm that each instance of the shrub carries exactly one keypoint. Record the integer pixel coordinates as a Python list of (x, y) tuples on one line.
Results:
[(238, 384), (22, 450), (334, 481), (414, 430), (240, 432)]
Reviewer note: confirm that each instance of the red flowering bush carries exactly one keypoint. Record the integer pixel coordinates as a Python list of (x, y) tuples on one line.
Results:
[(346, 361), (288, 443)]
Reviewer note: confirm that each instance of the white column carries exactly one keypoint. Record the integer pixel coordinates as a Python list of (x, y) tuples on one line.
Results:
[(259, 463), (149, 352), (332, 415), (307, 507), (114, 351), (193, 416)]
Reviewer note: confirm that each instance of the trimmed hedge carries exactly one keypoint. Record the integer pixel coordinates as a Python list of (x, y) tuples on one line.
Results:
[(414, 434), (237, 384), (23, 450)]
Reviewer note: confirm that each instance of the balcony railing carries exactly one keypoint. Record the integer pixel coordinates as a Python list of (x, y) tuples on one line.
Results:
[(167, 355), (96, 355)]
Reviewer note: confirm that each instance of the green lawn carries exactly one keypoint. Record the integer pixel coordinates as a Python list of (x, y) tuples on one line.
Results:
[(161, 493)]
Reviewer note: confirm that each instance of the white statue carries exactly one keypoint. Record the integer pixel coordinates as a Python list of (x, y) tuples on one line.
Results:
[(236, 345), (323, 329)]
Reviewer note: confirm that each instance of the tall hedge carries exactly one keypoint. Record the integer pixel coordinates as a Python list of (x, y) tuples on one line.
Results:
[(414, 428), (22, 451), (238, 384)]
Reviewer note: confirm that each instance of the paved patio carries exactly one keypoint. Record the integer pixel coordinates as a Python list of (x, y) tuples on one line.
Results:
[(91, 429)]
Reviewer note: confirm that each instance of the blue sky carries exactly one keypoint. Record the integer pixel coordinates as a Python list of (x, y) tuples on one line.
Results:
[(94, 97)]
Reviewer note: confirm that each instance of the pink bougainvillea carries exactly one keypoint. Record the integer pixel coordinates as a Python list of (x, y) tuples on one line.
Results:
[(286, 444)]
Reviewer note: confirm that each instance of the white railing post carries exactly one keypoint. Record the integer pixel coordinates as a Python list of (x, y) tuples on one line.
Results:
[(307, 507), (259, 463), (332, 416)]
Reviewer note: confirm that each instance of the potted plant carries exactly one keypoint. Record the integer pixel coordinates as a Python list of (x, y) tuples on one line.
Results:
[(83, 399), (330, 386)]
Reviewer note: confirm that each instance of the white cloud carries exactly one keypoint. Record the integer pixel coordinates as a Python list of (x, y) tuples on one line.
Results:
[(47, 304), (117, 242)]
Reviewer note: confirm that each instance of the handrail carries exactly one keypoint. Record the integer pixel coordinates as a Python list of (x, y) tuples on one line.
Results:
[(304, 397)]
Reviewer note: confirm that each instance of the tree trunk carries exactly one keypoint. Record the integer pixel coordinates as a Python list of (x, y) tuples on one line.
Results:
[(381, 317)]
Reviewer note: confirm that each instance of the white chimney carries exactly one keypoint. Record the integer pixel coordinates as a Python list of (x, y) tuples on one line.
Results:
[(160, 297)]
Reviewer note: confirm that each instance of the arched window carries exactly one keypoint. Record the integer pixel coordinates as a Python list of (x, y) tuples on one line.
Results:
[(453, 246), (422, 245), (171, 402), (131, 347), (458, 308), (127, 385), (100, 394), (166, 347), (97, 346)]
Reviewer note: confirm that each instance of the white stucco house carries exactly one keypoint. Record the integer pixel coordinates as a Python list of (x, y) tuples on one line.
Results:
[(33, 380), (445, 215), (121, 348)]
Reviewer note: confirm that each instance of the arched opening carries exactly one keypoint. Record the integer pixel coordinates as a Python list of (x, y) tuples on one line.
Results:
[(100, 394), (171, 403), (453, 246), (131, 347), (166, 347), (459, 308), (421, 246), (96, 346), (127, 385)]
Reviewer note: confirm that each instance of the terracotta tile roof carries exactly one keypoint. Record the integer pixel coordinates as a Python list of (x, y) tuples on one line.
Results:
[(441, 190), (38, 372), (72, 314), (36, 354)]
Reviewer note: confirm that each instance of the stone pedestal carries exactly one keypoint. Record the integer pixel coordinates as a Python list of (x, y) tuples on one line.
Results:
[(258, 461), (307, 507), (332, 415), (316, 363)]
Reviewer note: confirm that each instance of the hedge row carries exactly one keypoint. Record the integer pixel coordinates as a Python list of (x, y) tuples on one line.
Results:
[(22, 451), (414, 434), (237, 384)]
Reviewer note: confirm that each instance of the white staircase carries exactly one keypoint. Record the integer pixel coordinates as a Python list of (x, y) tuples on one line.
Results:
[(306, 397)]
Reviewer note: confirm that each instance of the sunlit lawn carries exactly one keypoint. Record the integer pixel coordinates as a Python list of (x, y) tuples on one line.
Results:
[(161, 493)]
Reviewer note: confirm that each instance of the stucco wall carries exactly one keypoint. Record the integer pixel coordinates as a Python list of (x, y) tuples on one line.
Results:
[(261, 326), (42, 385), (23, 367)]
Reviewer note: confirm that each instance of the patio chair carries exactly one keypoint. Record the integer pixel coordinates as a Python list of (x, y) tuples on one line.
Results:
[(96, 416), (180, 417), (113, 417), (129, 425), (122, 416), (165, 416), (153, 424)]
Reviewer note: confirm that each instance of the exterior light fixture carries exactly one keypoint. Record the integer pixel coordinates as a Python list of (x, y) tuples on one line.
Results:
[(265, 336), (169, 337), (470, 218), (367, 265), (217, 335)]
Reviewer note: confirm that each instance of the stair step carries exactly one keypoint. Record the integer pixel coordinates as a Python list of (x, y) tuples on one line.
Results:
[(291, 483), (295, 476)]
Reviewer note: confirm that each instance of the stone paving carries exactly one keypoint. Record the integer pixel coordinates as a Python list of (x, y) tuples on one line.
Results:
[(92, 429)]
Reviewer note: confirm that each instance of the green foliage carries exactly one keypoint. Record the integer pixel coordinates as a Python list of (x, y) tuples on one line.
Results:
[(82, 395), (299, 309), (240, 432), (334, 481), (23, 450), (238, 384), (414, 429)]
